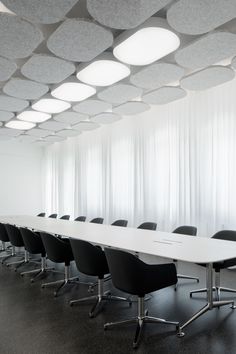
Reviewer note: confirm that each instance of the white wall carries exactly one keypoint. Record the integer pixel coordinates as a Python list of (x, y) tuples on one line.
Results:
[(20, 178)]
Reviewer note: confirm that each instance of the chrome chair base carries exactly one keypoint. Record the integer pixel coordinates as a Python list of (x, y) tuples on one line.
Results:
[(140, 320), (39, 271), (63, 282), (100, 298)]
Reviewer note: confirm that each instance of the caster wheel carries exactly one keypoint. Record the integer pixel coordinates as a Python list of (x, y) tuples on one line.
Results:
[(91, 315)]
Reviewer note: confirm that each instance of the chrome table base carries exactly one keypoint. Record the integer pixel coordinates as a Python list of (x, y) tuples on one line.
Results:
[(210, 303), (100, 298), (140, 320)]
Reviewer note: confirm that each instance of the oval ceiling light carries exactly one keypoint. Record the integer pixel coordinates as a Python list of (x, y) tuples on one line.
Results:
[(147, 43), (73, 91), (103, 71), (50, 105), (33, 116), (19, 124)]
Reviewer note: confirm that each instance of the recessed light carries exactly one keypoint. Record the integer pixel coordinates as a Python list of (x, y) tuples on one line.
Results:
[(19, 124), (103, 71), (149, 42), (33, 116), (50, 105), (73, 91)]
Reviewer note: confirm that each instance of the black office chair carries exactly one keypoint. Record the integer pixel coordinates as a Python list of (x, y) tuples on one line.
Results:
[(65, 217), (53, 216), (91, 260), (4, 240), (131, 275), (16, 240), (80, 218), (148, 226), (42, 215), (227, 235), (59, 251), (185, 230), (34, 245), (97, 221), (120, 222)]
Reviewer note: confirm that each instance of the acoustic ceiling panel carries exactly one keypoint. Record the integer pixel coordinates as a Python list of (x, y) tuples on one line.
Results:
[(39, 133), (105, 118), (54, 138), (120, 93), (86, 126), (27, 138), (157, 75), (122, 14), (207, 50), (7, 68), (92, 107), (68, 133), (40, 11), (52, 125), (47, 69), (10, 132), (130, 108), (6, 116), (12, 104), (18, 37), (197, 17), (70, 117), (25, 89), (79, 40), (207, 78), (164, 95)]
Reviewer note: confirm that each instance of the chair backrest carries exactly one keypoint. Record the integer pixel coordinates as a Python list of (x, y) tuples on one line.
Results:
[(53, 216), (32, 241), (186, 230), (148, 226), (89, 259), (228, 235), (42, 215), (97, 221), (65, 217), (80, 218), (57, 250), (14, 235), (120, 222), (3, 233)]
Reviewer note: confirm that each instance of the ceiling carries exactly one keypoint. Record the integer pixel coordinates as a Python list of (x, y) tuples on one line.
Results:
[(47, 48)]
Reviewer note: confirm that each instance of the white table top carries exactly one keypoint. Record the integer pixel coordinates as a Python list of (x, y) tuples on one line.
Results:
[(156, 243)]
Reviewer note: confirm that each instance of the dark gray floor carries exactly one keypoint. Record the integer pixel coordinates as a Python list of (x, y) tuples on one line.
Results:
[(32, 321)]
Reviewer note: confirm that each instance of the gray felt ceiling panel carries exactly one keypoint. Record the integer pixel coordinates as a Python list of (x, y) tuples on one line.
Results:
[(207, 50), (131, 108), (106, 118), (19, 38), (10, 132), (86, 126), (79, 40), (120, 93), (27, 138), (25, 89), (7, 68), (157, 75), (40, 11), (200, 16), (6, 116), (54, 138), (122, 14), (53, 125), (47, 69), (67, 133), (70, 117), (40, 133), (92, 107), (207, 78), (12, 104), (164, 95)]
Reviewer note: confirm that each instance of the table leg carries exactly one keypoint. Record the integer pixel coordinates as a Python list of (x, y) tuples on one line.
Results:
[(210, 303)]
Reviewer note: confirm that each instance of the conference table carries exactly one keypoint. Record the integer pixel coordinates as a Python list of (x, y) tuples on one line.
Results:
[(155, 243)]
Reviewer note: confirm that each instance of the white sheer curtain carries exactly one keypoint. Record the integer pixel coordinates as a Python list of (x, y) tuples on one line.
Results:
[(174, 165)]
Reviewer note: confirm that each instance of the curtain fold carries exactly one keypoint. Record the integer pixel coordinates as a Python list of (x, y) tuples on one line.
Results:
[(174, 164)]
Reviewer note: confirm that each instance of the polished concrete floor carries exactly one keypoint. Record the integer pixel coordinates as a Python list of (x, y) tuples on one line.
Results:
[(32, 321)]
